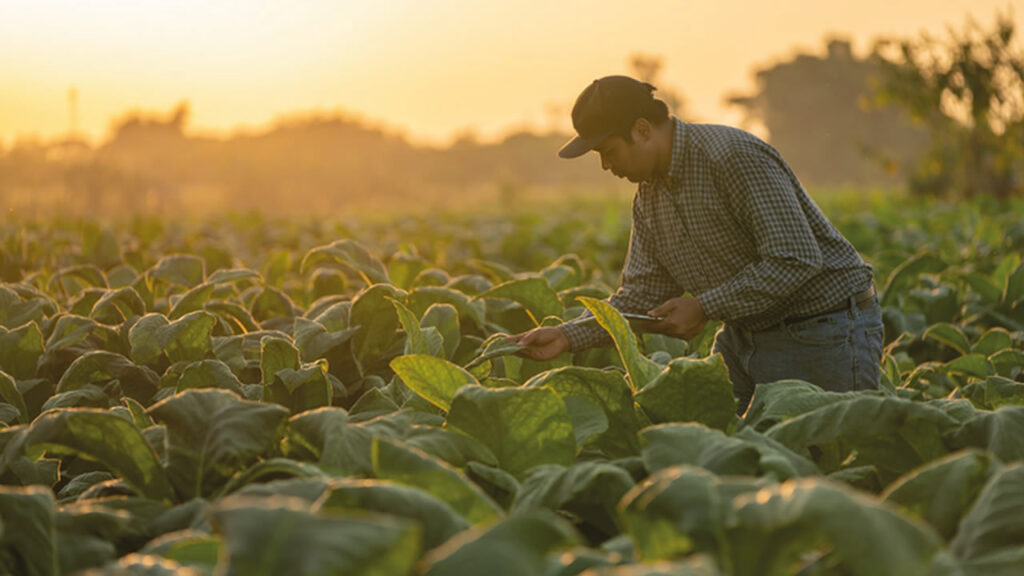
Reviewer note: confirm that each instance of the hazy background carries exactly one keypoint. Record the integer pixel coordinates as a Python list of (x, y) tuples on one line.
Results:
[(208, 105)]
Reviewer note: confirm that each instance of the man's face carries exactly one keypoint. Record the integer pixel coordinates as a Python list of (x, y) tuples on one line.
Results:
[(633, 161)]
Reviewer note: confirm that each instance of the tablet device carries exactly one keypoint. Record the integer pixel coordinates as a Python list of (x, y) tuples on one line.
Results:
[(638, 322)]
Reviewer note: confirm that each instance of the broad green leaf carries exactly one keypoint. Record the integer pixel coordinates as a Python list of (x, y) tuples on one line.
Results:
[(273, 304), (373, 311), (403, 268), (29, 538), (974, 365), (138, 412), (641, 370), (689, 390), (102, 437), (442, 319), (669, 445), (181, 269), (315, 342), (497, 271), (992, 341), (777, 460), (192, 300), (941, 492), (302, 389), (1001, 391), (282, 536), (678, 511), (116, 306), (100, 367), (433, 378), (523, 427), (189, 548), (10, 394), (311, 489), (350, 255), (995, 521), (990, 293), (471, 312), (14, 312), (409, 466), (438, 520), (905, 276), (778, 524), (415, 341), (588, 490), (1008, 363), (534, 294), (902, 434), (495, 346), (1001, 432), (327, 437), (185, 339), (208, 373), (1013, 290), (273, 469), (587, 418), (775, 402), (83, 302), (74, 279), (517, 546), (231, 275), (20, 350), (235, 318), (949, 334), (276, 354), (606, 389), (211, 434), (71, 331)]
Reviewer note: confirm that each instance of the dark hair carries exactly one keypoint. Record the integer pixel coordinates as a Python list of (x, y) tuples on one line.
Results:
[(656, 113)]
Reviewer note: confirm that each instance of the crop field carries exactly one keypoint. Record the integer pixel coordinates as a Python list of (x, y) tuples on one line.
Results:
[(255, 397)]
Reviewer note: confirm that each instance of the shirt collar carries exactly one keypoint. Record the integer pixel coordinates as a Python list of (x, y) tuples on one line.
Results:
[(675, 167)]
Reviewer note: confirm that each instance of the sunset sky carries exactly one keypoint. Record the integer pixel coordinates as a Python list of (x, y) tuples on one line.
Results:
[(429, 68)]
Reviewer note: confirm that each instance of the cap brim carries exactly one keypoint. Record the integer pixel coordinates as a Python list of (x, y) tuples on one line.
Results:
[(579, 146)]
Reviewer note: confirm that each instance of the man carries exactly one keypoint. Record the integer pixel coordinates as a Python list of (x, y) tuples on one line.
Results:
[(720, 215)]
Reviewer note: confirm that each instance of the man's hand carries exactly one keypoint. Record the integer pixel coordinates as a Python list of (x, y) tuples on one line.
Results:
[(682, 317), (542, 343)]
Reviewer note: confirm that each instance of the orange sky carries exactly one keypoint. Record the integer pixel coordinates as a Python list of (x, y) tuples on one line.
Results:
[(431, 68)]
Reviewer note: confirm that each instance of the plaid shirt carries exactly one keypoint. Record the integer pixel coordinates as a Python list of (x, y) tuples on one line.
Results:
[(732, 225)]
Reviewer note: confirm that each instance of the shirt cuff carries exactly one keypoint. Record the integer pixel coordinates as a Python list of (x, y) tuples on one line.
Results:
[(582, 337), (713, 303)]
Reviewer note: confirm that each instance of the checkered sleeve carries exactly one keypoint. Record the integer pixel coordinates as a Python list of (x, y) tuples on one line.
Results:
[(763, 196), (645, 284)]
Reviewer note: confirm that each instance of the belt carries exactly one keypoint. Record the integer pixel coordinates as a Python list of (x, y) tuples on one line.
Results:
[(862, 300)]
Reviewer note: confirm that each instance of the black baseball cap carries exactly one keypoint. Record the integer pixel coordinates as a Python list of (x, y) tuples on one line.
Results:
[(608, 105)]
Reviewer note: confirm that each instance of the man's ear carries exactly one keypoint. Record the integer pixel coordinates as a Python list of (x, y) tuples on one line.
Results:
[(642, 129)]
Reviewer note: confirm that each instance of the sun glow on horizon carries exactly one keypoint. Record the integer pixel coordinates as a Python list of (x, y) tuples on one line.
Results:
[(431, 70)]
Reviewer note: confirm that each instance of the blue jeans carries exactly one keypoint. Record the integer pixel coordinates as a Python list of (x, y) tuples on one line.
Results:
[(838, 351)]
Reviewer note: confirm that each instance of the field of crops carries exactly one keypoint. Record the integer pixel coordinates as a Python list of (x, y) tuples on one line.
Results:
[(250, 397)]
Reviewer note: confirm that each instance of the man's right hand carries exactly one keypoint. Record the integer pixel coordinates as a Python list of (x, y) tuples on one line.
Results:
[(543, 343)]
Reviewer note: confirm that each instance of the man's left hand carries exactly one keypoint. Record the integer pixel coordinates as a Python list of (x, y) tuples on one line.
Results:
[(682, 317)]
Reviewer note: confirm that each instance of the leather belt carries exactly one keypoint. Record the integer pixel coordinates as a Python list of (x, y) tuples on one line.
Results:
[(863, 300)]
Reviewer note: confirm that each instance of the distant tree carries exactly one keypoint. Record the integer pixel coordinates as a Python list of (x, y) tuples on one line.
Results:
[(647, 68), (816, 112), (969, 91)]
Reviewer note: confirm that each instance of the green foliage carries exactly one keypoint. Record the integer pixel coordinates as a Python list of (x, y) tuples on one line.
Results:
[(303, 410)]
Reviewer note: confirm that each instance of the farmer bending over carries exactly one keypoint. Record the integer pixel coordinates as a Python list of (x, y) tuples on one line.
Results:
[(719, 214)]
